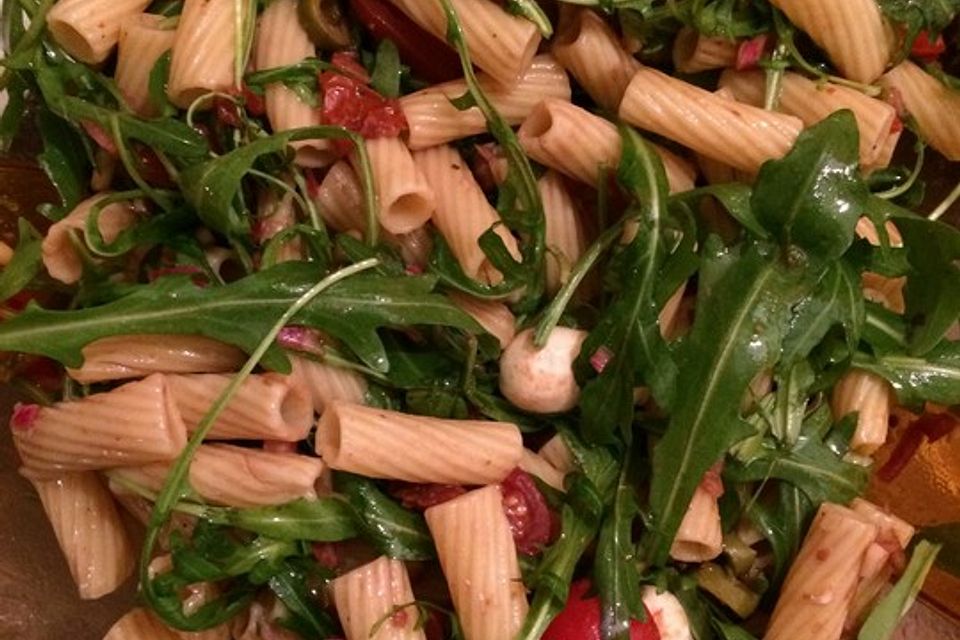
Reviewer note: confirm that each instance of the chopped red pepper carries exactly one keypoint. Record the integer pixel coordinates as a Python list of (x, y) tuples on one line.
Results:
[(580, 619), (526, 510), (429, 57), (227, 112), (423, 496), (327, 554), (151, 169), (24, 416), (253, 102), (352, 104), (928, 50), (601, 358), (750, 51)]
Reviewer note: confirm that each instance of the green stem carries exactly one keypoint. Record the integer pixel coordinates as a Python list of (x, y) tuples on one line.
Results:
[(29, 40), (898, 191), (944, 206)]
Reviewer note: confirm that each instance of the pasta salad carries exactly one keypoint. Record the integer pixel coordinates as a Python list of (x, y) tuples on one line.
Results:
[(429, 319)]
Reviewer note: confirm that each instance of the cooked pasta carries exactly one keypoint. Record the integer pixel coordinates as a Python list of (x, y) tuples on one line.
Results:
[(276, 214), (433, 119), (536, 465), (463, 213), (89, 29), (89, 530), (339, 199), (869, 396), (566, 238), (934, 107), (694, 52), (406, 195), (557, 453), (375, 602), (700, 537), (326, 383), (236, 476), (854, 33), (501, 44), (737, 134), (204, 50), (281, 41), (367, 440), (143, 39), (479, 561), (141, 624), (267, 406), (137, 356), (495, 317), (136, 423), (61, 257)]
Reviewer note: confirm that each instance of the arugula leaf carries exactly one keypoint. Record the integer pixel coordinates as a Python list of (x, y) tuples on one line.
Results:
[(292, 584), (738, 331), (393, 530), (734, 198), (628, 328), (932, 293), (320, 520), (932, 16), (385, 78), (615, 569), (812, 198), (934, 377), (530, 9), (948, 536), (782, 522), (729, 19), (64, 160), (25, 264), (730, 631), (838, 299), (157, 86), (793, 389), (240, 313), (887, 614)]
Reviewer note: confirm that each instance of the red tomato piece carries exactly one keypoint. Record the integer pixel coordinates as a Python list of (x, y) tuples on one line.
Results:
[(352, 104), (423, 496), (527, 511), (429, 57), (24, 416), (227, 112), (926, 49), (750, 51), (253, 101), (580, 619), (151, 169), (348, 64)]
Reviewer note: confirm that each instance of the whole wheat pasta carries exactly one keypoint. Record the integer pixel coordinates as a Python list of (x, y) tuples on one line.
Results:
[(501, 44), (816, 595), (700, 536), (366, 441), (236, 476), (870, 396), (694, 52), (854, 33), (89, 530), (326, 383), (495, 317), (135, 423), (60, 257), (812, 102), (143, 39), (589, 49), (282, 41), (557, 453), (142, 624), (339, 199), (406, 198), (566, 239), (934, 107), (266, 407), (479, 560), (137, 356), (368, 598), (204, 50), (737, 134), (463, 213), (534, 464), (433, 119), (89, 29)]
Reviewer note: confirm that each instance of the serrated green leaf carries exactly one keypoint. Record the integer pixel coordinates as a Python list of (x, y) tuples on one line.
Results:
[(615, 567), (320, 520), (25, 264), (934, 377), (883, 621)]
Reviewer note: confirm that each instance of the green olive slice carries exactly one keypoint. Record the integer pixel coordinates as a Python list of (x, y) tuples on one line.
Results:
[(324, 22)]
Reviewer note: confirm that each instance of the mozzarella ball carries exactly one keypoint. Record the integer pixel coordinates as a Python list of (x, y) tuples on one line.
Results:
[(541, 380), (668, 613)]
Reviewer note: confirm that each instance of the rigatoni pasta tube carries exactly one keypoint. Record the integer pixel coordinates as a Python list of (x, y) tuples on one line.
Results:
[(137, 356), (60, 257), (326, 383), (817, 592), (89, 531), (812, 102), (266, 407), (406, 197), (277, 213), (566, 239), (854, 33), (700, 536), (204, 50), (368, 598), (694, 52), (534, 464), (463, 213), (934, 106), (557, 453), (236, 476), (585, 147), (495, 317), (143, 40), (479, 560), (869, 396), (282, 41), (589, 49), (142, 624), (135, 423), (89, 29), (339, 199), (737, 134), (398, 446), (433, 119), (500, 43)]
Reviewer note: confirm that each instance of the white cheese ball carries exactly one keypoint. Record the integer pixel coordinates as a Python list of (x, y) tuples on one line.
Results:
[(542, 380), (667, 613)]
